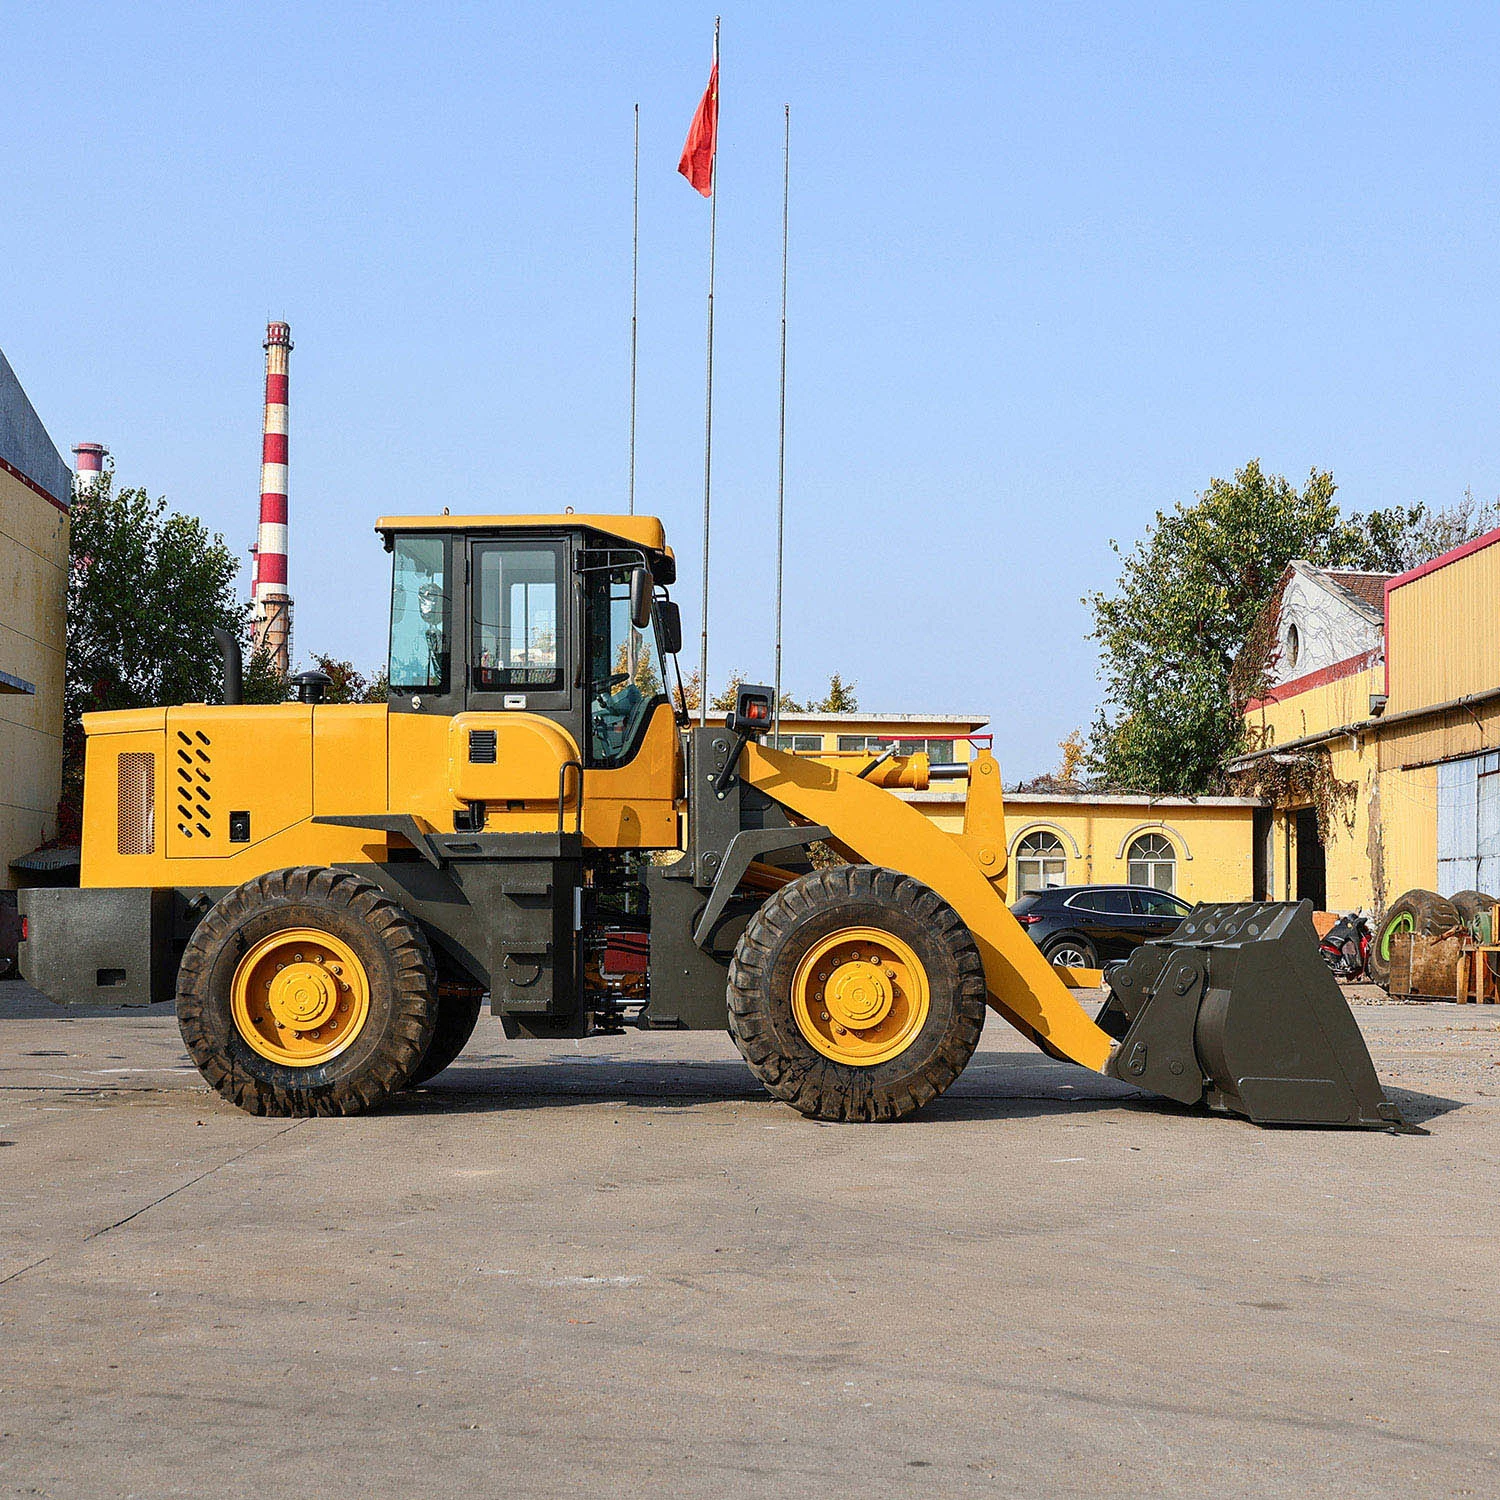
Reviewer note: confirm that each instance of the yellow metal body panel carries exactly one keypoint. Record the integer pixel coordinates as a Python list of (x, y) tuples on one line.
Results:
[(256, 760), (262, 759), (636, 805), (643, 531), (530, 752), (878, 827), (285, 764)]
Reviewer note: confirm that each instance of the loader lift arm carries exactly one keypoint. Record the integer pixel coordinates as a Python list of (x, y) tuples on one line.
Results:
[(870, 825)]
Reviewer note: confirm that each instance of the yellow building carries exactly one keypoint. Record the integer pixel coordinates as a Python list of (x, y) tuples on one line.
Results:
[(945, 738), (35, 492), (1201, 848), (1399, 740)]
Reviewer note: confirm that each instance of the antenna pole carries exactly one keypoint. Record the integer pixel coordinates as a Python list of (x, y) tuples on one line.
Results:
[(635, 285), (786, 198)]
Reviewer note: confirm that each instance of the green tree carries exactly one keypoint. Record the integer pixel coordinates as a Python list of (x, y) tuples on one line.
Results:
[(723, 701), (146, 589), (262, 682), (839, 699), (1183, 606)]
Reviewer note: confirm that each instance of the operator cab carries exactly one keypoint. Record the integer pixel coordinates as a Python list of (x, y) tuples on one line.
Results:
[(567, 617)]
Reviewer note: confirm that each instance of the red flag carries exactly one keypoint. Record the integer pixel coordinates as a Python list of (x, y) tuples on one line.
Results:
[(702, 144)]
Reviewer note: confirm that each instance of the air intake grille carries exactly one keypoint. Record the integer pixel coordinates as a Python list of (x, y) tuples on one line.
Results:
[(194, 785), (136, 803), (481, 747)]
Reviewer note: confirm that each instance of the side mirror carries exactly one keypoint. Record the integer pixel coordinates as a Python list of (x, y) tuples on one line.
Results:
[(669, 623), (641, 587)]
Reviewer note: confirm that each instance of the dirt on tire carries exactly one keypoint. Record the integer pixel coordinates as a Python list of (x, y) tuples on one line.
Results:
[(764, 1027), (403, 993)]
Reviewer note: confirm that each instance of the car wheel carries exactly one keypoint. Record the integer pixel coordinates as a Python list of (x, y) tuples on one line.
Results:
[(1071, 953)]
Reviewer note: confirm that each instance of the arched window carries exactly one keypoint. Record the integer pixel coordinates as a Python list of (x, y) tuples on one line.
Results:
[(1153, 861), (1293, 646), (1040, 862)]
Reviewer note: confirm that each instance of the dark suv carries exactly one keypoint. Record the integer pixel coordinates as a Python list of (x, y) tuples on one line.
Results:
[(1084, 926)]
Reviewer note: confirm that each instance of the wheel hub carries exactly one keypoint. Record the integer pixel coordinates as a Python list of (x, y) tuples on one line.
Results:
[(303, 996), (300, 997), (859, 994)]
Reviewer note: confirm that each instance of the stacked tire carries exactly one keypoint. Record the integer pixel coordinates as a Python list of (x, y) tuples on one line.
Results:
[(1421, 912)]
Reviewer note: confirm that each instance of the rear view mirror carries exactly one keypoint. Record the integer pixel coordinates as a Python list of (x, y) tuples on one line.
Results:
[(669, 625), (641, 587)]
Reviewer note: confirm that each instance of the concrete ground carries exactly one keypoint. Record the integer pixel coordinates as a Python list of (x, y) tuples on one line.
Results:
[(616, 1268)]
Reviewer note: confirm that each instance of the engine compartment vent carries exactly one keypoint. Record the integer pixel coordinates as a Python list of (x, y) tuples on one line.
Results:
[(193, 789), (135, 803), (481, 747)]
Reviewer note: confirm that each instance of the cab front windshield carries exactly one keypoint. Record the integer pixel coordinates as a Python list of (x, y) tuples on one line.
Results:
[(623, 667)]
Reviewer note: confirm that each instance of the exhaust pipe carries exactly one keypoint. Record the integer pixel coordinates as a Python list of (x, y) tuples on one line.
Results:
[(234, 666)]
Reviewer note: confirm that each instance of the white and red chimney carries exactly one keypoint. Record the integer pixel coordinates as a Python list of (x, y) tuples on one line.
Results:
[(271, 614), (90, 467)]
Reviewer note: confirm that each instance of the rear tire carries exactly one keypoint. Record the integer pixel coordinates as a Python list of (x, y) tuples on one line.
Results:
[(1417, 911), (936, 995), (457, 1016), (229, 1000), (1071, 953)]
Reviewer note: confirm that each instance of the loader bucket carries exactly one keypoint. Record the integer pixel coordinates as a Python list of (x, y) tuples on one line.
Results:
[(1237, 1008)]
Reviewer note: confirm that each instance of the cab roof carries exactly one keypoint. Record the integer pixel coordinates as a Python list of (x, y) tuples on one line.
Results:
[(641, 531)]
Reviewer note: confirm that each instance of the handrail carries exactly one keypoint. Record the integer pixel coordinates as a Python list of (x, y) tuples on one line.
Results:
[(562, 794)]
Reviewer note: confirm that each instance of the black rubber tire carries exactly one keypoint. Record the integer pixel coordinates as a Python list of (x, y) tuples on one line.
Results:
[(1420, 911), (1082, 945), (397, 961), (760, 1006), (1471, 904), (457, 1016)]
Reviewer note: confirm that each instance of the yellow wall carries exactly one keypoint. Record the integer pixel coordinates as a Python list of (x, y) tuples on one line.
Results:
[(1443, 635), (828, 729), (33, 599), (1211, 838)]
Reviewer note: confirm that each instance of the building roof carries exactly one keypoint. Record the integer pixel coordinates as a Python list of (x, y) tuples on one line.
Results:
[(809, 716), (25, 449), (1367, 588)]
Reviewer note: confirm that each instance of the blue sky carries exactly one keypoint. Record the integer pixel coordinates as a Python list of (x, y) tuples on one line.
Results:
[(1052, 268)]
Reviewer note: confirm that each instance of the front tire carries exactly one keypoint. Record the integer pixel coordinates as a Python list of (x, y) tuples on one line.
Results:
[(307, 992), (856, 993)]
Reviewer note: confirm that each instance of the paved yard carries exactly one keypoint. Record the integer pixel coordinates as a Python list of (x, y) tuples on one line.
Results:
[(615, 1268)]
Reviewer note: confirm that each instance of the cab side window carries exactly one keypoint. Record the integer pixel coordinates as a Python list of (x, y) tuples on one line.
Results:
[(623, 671), (514, 644)]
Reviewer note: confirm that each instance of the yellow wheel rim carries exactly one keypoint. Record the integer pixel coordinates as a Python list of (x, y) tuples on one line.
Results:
[(300, 997), (860, 996)]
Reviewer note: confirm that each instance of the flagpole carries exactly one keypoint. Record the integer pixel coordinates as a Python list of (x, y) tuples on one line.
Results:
[(786, 199), (635, 284), (708, 402)]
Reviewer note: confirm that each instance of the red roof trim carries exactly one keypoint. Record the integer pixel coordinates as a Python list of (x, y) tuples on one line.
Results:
[(1433, 564), (31, 484), (1309, 680)]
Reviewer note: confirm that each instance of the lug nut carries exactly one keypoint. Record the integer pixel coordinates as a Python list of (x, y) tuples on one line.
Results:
[(825, 1015), (841, 1030)]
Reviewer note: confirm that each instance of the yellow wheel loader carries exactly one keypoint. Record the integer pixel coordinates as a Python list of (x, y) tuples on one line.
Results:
[(330, 890)]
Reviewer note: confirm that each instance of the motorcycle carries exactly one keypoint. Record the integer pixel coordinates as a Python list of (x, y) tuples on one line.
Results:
[(1346, 947)]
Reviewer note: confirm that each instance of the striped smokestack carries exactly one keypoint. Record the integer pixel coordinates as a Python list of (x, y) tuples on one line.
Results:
[(90, 468), (271, 616)]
